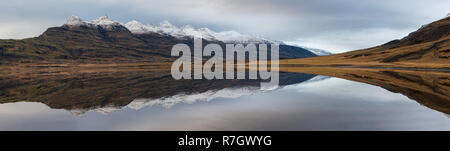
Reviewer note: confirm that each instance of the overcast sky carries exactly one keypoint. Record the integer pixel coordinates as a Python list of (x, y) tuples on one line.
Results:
[(333, 25)]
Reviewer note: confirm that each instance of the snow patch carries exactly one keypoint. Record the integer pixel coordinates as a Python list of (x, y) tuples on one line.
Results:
[(103, 21), (165, 27), (137, 27), (76, 21)]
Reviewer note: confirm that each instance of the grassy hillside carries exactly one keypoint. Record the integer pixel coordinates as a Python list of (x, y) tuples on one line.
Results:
[(428, 47)]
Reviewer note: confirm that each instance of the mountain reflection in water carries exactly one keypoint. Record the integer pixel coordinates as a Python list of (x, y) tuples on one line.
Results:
[(110, 91), (302, 102)]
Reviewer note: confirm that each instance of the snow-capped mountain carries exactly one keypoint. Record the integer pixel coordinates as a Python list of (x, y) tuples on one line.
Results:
[(105, 22), (76, 21), (166, 27), (138, 28), (102, 21)]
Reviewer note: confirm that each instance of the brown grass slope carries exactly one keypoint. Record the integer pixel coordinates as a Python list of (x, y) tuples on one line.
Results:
[(428, 47)]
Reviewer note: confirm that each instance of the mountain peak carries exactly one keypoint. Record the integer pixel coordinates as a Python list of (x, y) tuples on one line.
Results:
[(104, 21), (166, 24), (104, 17), (165, 27), (135, 22), (76, 21), (137, 27)]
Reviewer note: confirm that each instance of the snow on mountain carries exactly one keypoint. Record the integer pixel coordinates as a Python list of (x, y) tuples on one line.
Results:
[(103, 21), (165, 27), (76, 21), (138, 28), (202, 32), (318, 52), (233, 36)]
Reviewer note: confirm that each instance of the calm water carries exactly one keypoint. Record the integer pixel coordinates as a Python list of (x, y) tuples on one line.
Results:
[(303, 102)]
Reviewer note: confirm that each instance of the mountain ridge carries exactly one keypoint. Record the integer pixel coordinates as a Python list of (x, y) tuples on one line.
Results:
[(167, 28)]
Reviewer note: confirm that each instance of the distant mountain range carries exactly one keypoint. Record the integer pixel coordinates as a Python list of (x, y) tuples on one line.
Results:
[(104, 39)]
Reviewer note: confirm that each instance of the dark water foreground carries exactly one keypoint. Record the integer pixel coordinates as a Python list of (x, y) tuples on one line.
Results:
[(152, 100)]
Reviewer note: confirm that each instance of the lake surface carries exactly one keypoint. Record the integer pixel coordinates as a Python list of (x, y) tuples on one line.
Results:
[(150, 101)]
